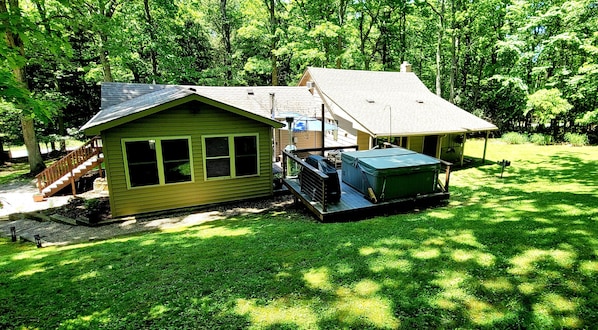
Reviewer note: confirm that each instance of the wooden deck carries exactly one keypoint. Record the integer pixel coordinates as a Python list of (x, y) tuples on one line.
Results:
[(354, 205)]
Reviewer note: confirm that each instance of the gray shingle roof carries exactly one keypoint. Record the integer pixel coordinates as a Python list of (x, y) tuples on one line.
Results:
[(385, 103), (120, 100)]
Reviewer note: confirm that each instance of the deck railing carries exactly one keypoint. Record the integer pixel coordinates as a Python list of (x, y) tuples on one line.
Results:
[(312, 181), (68, 163), (447, 175)]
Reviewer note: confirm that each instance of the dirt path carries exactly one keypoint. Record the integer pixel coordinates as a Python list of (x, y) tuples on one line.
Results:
[(54, 233), (17, 197)]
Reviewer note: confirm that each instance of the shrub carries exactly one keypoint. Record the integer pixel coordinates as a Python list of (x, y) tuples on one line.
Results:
[(575, 139), (515, 138), (540, 139)]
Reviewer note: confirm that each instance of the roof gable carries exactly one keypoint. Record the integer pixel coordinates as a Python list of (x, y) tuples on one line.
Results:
[(127, 102), (390, 103)]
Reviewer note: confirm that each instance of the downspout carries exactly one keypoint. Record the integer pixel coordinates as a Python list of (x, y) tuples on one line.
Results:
[(323, 131), (272, 110)]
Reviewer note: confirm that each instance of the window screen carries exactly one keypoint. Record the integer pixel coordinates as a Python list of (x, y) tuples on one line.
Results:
[(143, 164)]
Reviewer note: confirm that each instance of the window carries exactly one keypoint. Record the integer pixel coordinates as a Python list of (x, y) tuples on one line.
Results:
[(230, 156), (157, 161)]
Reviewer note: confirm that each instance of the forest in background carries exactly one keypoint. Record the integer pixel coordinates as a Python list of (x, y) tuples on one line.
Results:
[(527, 66)]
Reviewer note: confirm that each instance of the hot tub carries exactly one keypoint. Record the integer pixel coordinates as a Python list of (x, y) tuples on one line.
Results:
[(391, 173)]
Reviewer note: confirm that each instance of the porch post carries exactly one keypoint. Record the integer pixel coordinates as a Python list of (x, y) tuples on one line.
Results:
[(463, 148), (485, 146), (323, 131)]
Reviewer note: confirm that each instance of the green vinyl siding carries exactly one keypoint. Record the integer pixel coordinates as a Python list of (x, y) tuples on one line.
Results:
[(416, 143), (193, 120)]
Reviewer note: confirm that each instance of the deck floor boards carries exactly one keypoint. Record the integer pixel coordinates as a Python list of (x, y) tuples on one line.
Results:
[(352, 201)]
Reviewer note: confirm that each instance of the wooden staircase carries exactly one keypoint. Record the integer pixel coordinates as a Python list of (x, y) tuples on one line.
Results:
[(70, 168)]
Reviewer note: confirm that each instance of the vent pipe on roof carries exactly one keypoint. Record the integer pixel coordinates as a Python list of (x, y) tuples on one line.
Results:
[(405, 67)]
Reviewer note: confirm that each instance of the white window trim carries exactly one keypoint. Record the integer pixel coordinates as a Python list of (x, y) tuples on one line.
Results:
[(231, 156), (159, 159)]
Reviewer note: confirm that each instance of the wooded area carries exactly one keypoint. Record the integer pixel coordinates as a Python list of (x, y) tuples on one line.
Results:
[(529, 66)]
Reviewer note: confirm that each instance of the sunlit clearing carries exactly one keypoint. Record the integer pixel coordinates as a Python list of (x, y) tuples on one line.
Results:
[(426, 253), (498, 284), (450, 283), (527, 205), (544, 231), (366, 288), (441, 215), (382, 263), (398, 242), (524, 264), (530, 288), (368, 250), (209, 232), (434, 241), (580, 232), (37, 268), (279, 312), (454, 296), (466, 238), (86, 320), (318, 279), (559, 303), (482, 259), (572, 210), (158, 311), (86, 276), (353, 310), (79, 259), (147, 242), (31, 254), (589, 268), (555, 311), (483, 313)]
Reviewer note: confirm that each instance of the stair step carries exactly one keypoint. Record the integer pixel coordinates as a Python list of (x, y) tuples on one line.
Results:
[(85, 165)]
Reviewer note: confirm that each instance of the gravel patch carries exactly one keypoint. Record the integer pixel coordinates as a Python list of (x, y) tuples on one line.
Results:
[(55, 233)]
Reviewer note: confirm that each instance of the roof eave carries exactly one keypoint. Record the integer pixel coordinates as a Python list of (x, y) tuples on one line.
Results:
[(97, 129)]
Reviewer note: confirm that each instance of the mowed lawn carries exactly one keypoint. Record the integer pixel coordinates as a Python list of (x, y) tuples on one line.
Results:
[(514, 252)]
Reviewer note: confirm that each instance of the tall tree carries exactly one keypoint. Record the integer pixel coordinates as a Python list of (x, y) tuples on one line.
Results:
[(13, 22)]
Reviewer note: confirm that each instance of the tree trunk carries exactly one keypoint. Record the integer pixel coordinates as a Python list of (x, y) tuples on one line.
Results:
[(36, 163), (152, 34), (226, 39), (104, 58), (271, 4), (439, 50), (440, 14), (454, 45)]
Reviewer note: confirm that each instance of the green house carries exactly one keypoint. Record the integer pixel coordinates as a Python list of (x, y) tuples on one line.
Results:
[(169, 147)]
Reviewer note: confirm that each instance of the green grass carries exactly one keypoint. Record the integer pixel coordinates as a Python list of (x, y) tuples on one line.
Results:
[(514, 252), (70, 144), (14, 172)]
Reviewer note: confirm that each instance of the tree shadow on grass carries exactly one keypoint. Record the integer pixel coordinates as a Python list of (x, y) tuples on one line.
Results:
[(502, 254)]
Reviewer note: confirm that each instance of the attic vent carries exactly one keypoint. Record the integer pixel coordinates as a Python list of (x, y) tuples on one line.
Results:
[(419, 101), (250, 92), (310, 84), (192, 89), (370, 100)]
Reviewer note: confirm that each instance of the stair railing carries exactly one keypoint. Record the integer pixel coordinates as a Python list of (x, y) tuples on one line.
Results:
[(68, 163)]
